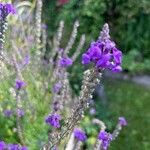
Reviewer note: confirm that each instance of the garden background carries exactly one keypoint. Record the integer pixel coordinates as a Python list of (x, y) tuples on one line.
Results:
[(127, 95)]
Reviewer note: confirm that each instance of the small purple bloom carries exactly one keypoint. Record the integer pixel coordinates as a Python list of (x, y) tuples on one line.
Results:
[(19, 84), (85, 59), (55, 148), (12, 147), (20, 112), (92, 111), (106, 138), (44, 26), (79, 135), (2, 145), (57, 86), (65, 62), (24, 148), (122, 121), (26, 60), (8, 112), (53, 120), (6, 9), (117, 69)]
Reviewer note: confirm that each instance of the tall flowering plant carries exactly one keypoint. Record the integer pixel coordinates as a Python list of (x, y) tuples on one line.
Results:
[(66, 110)]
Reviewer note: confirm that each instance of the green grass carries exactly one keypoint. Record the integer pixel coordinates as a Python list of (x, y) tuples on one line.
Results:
[(133, 102)]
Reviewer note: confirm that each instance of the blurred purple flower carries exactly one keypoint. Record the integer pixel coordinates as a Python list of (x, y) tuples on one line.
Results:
[(65, 62), (92, 111), (12, 147), (79, 135), (19, 84), (53, 120), (20, 112), (44, 26), (57, 86), (24, 148), (6, 9), (55, 148), (122, 121), (106, 138), (26, 60), (85, 59), (8, 112), (2, 145)]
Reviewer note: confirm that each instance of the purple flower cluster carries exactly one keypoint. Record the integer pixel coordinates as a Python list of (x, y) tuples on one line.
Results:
[(20, 112), (104, 54), (65, 62), (4, 146), (122, 121), (56, 87), (106, 138), (92, 111), (79, 135), (19, 84), (6, 9), (8, 112), (53, 120)]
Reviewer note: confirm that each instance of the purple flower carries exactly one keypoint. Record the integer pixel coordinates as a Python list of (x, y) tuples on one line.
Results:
[(19, 84), (44, 26), (57, 86), (53, 120), (65, 62), (20, 112), (12, 147), (55, 148), (103, 53), (117, 69), (106, 138), (2, 145), (92, 111), (85, 59), (26, 60), (79, 135), (8, 112), (122, 121), (6, 9), (24, 148)]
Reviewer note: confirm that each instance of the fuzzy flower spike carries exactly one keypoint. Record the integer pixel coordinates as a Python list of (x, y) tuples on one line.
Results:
[(53, 120), (103, 53), (5, 10), (79, 135), (106, 138)]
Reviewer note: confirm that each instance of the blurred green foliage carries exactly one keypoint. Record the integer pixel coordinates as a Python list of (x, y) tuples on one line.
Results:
[(131, 101)]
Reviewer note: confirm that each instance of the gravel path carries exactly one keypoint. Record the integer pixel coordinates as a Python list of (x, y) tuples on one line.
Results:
[(143, 80)]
